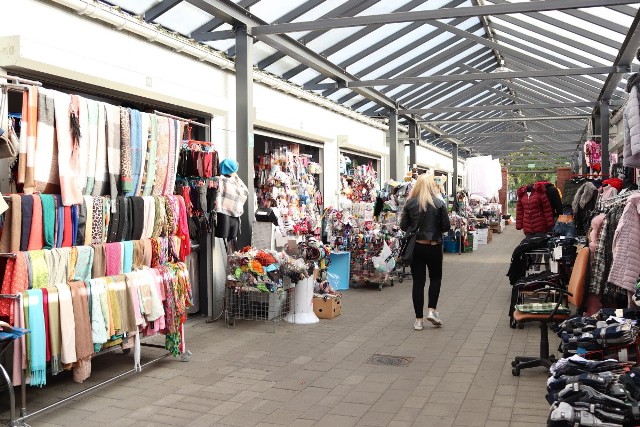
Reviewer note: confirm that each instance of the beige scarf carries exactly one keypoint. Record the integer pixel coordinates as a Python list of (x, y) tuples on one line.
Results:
[(54, 329), (67, 325)]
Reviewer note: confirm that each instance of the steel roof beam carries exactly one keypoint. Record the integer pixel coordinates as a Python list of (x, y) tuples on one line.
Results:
[(235, 15), (359, 35), (217, 22), (212, 36), (427, 15), (490, 107), (584, 32), (159, 9), (349, 8), (625, 56), (490, 76), (509, 119), (499, 134)]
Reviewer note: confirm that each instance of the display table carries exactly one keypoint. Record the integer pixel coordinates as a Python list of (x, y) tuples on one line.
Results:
[(339, 270), (303, 313)]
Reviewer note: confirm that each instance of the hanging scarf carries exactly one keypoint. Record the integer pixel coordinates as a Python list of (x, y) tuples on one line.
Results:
[(97, 221), (59, 231), (106, 217), (83, 336), (54, 330), (138, 254), (67, 235), (20, 345), (125, 151), (73, 258), (48, 220), (36, 234), (58, 265), (83, 145), (84, 263), (145, 134), (67, 325), (39, 270), (126, 304), (134, 281), (114, 223), (148, 252), (46, 171), (99, 327), (136, 150), (162, 155), (27, 214), (149, 175), (183, 229), (174, 154), (102, 175), (114, 306), (127, 257), (113, 148), (75, 224), (11, 230), (92, 107), (68, 138), (160, 222), (138, 218), (127, 220), (99, 262), (149, 216), (172, 214), (12, 284), (88, 225), (28, 154), (171, 156), (37, 339), (113, 259), (45, 309)]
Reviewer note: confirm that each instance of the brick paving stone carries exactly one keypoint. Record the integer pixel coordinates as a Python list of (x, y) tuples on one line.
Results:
[(257, 374)]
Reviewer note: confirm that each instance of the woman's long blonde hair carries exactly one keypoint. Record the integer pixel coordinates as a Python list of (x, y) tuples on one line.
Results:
[(424, 190)]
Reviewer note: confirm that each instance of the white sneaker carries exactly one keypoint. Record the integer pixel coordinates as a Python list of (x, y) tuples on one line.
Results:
[(418, 325), (434, 318)]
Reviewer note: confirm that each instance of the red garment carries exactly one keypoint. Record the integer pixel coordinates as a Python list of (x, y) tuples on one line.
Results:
[(36, 235), (67, 239), (45, 303), (19, 282), (614, 182), (533, 211)]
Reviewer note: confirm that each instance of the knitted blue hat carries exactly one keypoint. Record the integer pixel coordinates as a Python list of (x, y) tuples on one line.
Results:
[(228, 166)]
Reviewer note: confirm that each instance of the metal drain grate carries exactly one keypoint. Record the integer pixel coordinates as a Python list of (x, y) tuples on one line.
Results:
[(386, 360)]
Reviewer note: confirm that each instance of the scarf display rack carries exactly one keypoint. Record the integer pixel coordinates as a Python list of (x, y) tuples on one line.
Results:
[(102, 225)]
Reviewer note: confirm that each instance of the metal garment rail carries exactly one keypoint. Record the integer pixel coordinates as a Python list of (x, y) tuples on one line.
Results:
[(23, 417)]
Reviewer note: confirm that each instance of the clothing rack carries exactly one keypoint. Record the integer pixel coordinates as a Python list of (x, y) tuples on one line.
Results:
[(21, 80), (604, 204), (13, 421), (182, 119)]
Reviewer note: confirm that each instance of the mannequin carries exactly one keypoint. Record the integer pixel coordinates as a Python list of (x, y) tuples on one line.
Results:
[(230, 199)]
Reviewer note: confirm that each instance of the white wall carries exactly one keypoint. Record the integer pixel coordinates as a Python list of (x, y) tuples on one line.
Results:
[(442, 161), (89, 52)]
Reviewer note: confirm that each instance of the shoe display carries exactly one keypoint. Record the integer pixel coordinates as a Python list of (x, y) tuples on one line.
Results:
[(418, 325), (434, 318)]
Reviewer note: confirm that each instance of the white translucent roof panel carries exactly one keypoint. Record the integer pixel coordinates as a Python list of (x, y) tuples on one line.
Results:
[(270, 11), (183, 18), (305, 76)]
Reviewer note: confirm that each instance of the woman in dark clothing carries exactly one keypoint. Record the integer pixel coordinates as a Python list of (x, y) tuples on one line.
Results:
[(427, 214)]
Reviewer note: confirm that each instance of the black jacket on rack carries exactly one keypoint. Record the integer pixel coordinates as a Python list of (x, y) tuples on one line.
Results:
[(518, 266), (553, 194)]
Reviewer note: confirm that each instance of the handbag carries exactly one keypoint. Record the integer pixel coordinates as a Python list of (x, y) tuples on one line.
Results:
[(408, 244)]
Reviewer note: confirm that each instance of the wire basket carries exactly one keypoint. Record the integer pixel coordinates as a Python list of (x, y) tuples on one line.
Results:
[(249, 303)]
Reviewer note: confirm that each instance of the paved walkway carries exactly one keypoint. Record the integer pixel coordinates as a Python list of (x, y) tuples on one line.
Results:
[(317, 375)]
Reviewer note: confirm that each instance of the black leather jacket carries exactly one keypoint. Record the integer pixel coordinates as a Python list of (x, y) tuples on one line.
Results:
[(436, 220)]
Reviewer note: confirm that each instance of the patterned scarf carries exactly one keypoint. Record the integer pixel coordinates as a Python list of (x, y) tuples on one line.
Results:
[(114, 259), (68, 137), (136, 150), (125, 151), (162, 155), (98, 221), (39, 270), (84, 263), (149, 176)]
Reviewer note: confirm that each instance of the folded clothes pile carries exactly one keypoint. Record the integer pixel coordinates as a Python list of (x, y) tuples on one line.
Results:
[(593, 393), (581, 335)]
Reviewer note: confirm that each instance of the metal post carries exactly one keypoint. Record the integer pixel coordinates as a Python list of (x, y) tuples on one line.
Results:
[(244, 125), (454, 183), (604, 135), (395, 170), (414, 132)]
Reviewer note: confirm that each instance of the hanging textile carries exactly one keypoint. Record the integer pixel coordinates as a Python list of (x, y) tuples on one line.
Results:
[(113, 148), (43, 160), (67, 124)]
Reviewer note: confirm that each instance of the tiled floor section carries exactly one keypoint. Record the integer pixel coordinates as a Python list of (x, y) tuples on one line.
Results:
[(317, 374)]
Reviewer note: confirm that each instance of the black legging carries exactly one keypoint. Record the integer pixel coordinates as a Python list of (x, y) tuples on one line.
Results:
[(426, 256)]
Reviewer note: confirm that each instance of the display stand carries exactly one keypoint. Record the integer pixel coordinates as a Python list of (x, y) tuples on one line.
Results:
[(303, 313)]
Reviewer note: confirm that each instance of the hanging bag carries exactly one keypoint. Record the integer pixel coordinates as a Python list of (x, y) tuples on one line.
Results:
[(8, 138), (408, 244)]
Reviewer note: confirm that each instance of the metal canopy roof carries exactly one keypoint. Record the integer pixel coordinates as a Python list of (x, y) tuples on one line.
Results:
[(494, 76)]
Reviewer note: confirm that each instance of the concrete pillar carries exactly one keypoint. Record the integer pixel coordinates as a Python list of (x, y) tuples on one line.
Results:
[(504, 191)]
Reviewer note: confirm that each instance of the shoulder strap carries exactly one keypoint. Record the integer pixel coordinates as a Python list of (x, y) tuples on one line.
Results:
[(424, 214)]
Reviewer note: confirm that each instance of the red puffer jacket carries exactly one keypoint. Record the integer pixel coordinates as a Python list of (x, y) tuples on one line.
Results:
[(533, 211)]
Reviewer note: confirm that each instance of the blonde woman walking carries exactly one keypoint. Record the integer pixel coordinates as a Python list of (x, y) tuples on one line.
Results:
[(426, 213)]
